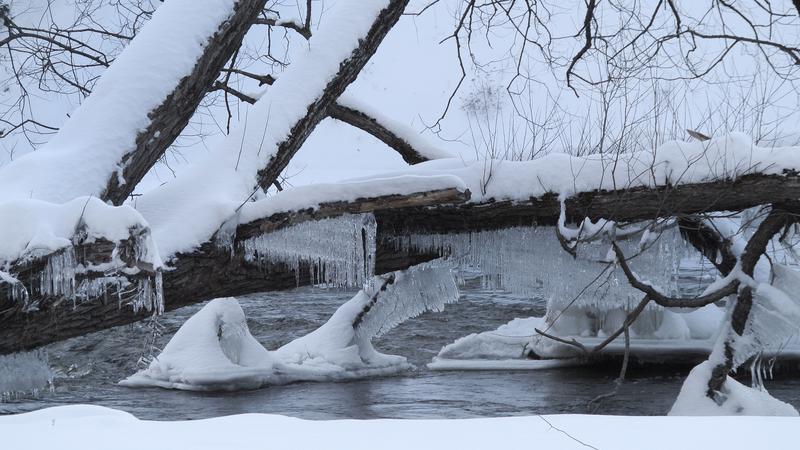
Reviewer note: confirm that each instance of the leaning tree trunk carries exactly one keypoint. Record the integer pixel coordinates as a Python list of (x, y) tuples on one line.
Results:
[(168, 120), (780, 216)]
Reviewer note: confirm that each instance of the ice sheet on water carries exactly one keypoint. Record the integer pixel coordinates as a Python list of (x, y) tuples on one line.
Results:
[(24, 373), (340, 250)]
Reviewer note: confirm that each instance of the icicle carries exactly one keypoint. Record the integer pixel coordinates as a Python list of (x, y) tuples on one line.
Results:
[(19, 293), (58, 276), (149, 294), (414, 291), (24, 374), (530, 261), (340, 250)]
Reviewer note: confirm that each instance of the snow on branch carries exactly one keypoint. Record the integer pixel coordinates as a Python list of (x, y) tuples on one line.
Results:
[(397, 136), (139, 106), (254, 154)]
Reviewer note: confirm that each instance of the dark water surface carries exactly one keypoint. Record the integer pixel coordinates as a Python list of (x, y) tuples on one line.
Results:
[(89, 367)]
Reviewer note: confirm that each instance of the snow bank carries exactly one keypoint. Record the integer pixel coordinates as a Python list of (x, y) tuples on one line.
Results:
[(90, 145), (85, 427), (214, 349), (740, 400)]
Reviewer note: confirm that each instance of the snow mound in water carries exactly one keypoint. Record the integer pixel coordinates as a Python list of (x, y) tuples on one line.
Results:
[(333, 351), (212, 350), (508, 341), (740, 399)]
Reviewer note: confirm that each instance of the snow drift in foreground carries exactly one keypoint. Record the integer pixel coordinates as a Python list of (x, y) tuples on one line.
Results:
[(86, 427), (214, 349), (739, 399)]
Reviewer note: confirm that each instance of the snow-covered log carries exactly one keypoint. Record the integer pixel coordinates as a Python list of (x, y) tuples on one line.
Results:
[(209, 271), (141, 104), (64, 257), (623, 205)]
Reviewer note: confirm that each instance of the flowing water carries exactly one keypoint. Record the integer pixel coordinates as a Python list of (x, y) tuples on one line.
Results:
[(89, 367)]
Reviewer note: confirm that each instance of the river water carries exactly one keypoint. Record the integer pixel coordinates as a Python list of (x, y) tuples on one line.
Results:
[(89, 367)]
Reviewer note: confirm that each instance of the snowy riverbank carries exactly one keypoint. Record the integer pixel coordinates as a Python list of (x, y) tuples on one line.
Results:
[(89, 427)]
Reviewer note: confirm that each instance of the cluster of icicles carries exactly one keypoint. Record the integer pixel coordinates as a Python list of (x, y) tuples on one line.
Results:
[(340, 251), (530, 261), (58, 278)]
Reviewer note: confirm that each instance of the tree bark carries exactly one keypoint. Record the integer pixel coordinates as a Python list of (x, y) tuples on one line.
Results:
[(372, 126)]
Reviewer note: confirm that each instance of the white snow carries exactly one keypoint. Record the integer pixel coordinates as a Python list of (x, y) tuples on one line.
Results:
[(184, 213), (88, 148), (676, 334), (739, 399), (86, 427), (676, 162), (36, 228), (214, 349), (404, 132), (507, 341)]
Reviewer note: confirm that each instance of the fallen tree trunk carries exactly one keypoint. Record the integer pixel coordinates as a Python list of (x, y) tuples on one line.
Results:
[(212, 271), (626, 205)]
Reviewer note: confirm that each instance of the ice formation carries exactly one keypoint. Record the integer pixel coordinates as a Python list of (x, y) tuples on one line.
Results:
[(739, 399), (45, 233), (774, 320), (508, 259), (339, 250), (676, 332), (214, 349), (24, 373)]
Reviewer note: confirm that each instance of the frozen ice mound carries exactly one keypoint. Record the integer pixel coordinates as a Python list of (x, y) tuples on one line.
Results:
[(214, 349)]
